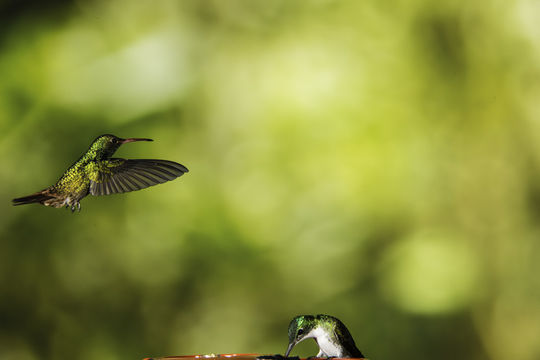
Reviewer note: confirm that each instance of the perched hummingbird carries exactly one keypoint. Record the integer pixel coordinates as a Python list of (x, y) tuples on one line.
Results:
[(99, 174), (331, 335)]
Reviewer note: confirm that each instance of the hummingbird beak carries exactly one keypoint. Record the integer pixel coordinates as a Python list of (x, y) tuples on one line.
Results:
[(291, 345), (124, 141)]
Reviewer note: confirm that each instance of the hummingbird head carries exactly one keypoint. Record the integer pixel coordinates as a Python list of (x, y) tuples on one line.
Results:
[(301, 328), (104, 146)]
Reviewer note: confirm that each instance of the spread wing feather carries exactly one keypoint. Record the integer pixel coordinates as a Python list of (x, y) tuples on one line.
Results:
[(121, 175)]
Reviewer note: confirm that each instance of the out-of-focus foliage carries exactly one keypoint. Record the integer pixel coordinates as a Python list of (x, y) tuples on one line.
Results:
[(374, 160)]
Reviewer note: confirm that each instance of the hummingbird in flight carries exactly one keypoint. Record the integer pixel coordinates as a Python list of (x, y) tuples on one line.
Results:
[(97, 173), (330, 333)]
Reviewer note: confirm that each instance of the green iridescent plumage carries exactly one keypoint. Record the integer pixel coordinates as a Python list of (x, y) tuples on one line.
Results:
[(97, 173), (332, 336)]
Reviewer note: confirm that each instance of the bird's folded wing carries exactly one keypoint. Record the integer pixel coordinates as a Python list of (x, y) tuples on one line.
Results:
[(121, 175)]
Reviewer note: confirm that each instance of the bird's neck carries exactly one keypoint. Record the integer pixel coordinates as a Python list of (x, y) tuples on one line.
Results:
[(83, 161), (329, 346), (99, 153), (95, 155)]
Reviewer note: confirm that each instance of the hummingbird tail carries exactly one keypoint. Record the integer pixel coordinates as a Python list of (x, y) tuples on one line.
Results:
[(30, 199)]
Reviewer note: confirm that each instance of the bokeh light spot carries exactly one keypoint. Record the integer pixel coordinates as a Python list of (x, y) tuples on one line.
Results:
[(430, 273)]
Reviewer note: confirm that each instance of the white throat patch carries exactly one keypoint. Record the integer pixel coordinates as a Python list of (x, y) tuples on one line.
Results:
[(326, 346)]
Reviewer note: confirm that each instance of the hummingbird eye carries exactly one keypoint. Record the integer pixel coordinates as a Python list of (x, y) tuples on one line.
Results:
[(300, 332), (115, 141)]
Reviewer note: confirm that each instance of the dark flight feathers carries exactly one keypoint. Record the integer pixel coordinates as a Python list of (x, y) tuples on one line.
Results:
[(123, 175)]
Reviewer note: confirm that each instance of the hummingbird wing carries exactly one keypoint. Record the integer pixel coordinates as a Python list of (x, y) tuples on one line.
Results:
[(121, 175)]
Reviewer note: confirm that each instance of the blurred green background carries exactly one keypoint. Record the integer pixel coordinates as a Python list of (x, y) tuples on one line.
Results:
[(374, 160)]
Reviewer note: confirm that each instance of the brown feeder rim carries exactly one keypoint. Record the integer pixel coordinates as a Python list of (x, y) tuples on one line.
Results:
[(218, 356)]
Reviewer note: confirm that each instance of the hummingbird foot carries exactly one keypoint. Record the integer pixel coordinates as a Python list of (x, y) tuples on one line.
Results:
[(75, 206), (72, 205)]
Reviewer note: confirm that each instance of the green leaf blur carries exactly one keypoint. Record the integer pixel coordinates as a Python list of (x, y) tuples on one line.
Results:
[(374, 160)]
